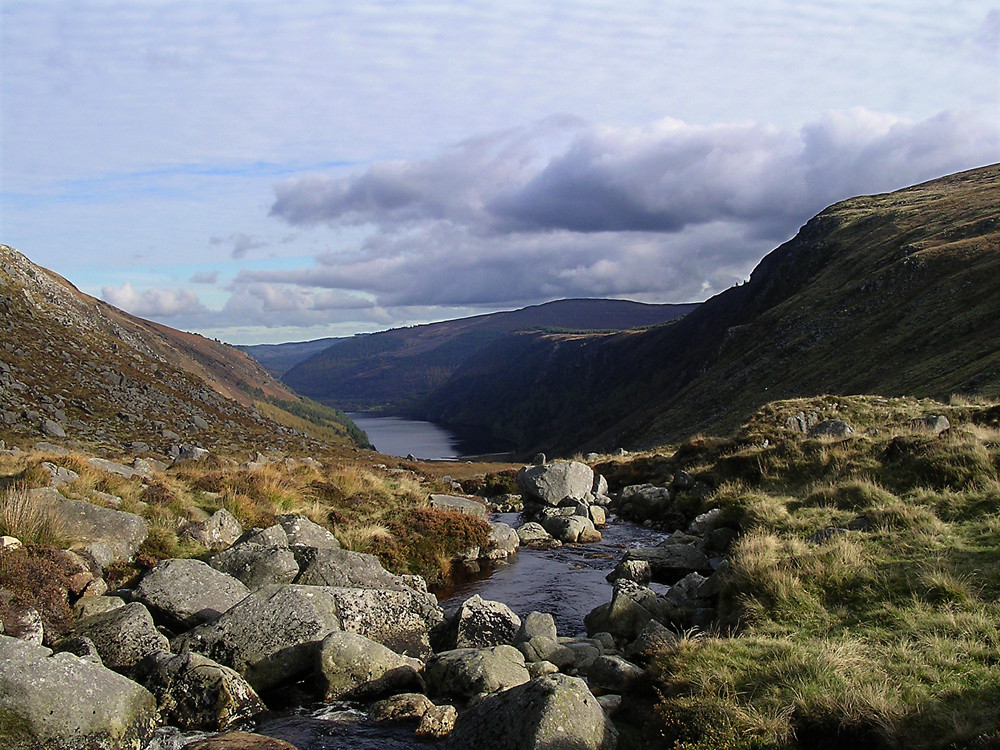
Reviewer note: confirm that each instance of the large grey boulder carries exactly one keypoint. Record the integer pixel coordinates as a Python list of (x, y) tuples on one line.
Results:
[(400, 620), (465, 672), (833, 428), (478, 623), (551, 483), (271, 637), (613, 673), (219, 531), (341, 567), (122, 636), (121, 532), (627, 614), (555, 712), (460, 505), (537, 624), (541, 648), (256, 565), (186, 593), (194, 692), (64, 702), (646, 502), (302, 532), (352, 667)]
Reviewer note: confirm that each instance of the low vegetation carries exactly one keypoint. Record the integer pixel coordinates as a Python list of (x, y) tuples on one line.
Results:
[(883, 632)]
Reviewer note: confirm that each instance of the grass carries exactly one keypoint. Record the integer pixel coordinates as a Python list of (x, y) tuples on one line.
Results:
[(28, 520), (886, 637)]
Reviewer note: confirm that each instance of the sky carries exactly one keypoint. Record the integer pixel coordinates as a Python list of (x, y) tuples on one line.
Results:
[(262, 172)]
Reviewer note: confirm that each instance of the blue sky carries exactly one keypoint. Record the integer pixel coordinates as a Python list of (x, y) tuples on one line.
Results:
[(274, 171)]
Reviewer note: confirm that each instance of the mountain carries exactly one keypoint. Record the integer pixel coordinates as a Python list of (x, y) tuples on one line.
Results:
[(85, 368), (888, 294), (393, 369), (278, 359)]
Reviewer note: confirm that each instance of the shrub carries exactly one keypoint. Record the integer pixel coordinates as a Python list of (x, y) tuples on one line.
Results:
[(38, 578)]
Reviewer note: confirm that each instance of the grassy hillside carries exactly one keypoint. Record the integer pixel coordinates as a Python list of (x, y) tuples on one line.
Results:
[(885, 636), (278, 359), (392, 369), (894, 294)]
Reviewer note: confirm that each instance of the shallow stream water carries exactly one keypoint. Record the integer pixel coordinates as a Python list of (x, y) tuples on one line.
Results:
[(567, 582)]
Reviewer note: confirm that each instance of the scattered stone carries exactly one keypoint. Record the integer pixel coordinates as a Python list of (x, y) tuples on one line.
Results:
[(671, 562), (650, 641), (94, 605), (341, 567), (59, 475), (537, 624), (256, 565), (935, 424), (631, 570), (52, 428), (189, 452), (571, 529), (10, 542), (503, 541), (111, 467)]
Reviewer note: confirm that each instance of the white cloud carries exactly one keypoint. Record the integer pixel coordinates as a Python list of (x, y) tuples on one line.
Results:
[(239, 243), (153, 303)]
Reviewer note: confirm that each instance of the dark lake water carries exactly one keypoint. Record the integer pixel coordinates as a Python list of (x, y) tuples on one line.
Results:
[(396, 436)]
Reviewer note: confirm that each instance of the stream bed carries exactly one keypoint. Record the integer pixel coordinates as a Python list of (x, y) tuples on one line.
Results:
[(567, 581)]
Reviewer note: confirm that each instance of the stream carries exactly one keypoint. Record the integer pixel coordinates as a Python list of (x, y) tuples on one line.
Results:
[(567, 581)]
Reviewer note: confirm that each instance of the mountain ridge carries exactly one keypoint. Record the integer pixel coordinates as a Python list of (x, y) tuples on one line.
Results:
[(906, 261)]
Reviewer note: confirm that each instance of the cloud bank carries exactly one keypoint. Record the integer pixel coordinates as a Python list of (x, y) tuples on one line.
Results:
[(670, 211)]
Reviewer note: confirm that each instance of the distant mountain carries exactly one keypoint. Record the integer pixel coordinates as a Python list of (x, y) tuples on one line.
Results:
[(895, 294), (82, 367), (393, 369), (278, 359)]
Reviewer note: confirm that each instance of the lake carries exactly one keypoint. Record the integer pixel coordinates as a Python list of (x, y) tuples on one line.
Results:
[(396, 436)]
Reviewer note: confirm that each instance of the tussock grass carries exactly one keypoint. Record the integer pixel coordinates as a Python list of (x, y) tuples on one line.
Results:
[(885, 636), (27, 519)]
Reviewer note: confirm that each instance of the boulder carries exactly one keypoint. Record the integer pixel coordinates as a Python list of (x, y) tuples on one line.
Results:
[(631, 570), (239, 741), (92, 605), (400, 620), (542, 648), (551, 483), (834, 428), (478, 623), (402, 707), (630, 609), (935, 424), (613, 674), (352, 667), (341, 567), (219, 531), (188, 452), (536, 624), (464, 505), (503, 541), (533, 534), (437, 722), (552, 711), (466, 672), (121, 532), (123, 636), (185, 593), (59, 475), (69, 703), (652, 639), (647, 502), (271, 637), (670, 563), (256, 565), (301, 532), (52, 428), (110, 467), (572, 529), (194, 692)]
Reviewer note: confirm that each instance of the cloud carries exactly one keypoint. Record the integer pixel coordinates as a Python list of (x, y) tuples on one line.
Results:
[(207, 277), (153, 303), (569, 209), (239, 242)]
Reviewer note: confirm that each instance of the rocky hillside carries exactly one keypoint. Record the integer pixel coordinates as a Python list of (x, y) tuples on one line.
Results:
[(893, 294), (73, 366), (392, 369)]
